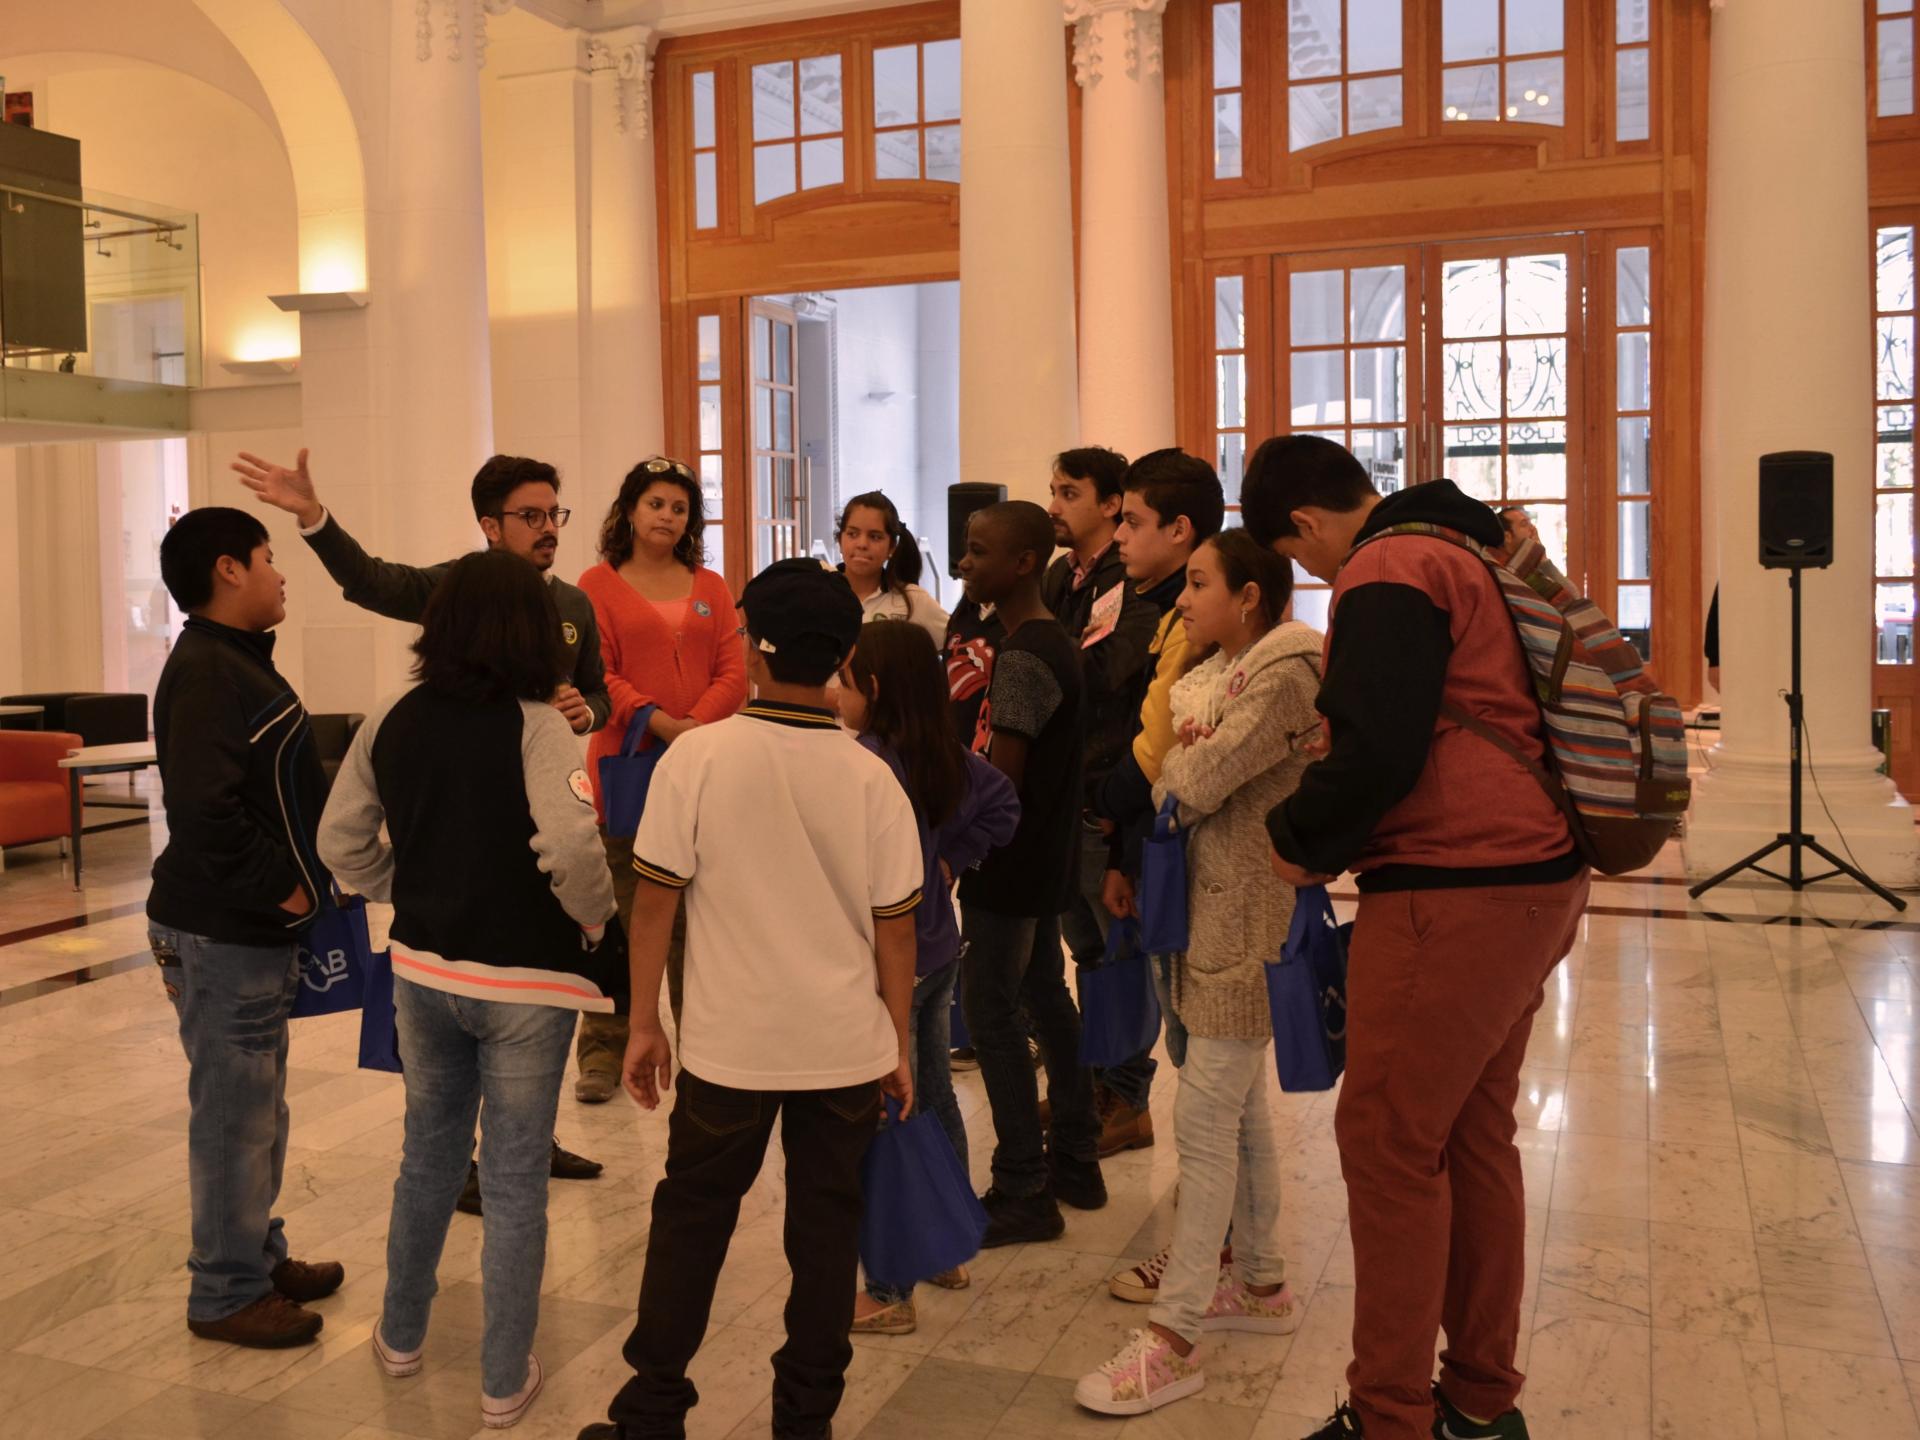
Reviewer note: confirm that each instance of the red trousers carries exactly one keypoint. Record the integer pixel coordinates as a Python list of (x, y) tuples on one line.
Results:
[(1442, 986)]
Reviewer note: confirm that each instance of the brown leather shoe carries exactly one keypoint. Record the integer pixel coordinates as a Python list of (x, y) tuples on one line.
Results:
[(272, 1322), (303, 1283), (1122, 1127)]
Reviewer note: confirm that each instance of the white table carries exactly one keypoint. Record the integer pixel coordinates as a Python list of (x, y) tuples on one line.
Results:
[(101, 760)]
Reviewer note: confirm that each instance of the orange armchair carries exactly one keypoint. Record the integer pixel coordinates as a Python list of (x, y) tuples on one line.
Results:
[(33, 787)]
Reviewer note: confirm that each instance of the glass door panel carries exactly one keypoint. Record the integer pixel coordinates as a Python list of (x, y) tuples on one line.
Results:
[(1348, 324), (1503, 361), (779, 484)]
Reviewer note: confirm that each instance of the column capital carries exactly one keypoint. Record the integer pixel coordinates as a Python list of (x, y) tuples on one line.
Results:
[(626, 52), (1142, 51), (458, 43)]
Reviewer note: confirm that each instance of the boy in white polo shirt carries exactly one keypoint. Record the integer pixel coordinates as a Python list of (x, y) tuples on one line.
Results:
[(800, 858)]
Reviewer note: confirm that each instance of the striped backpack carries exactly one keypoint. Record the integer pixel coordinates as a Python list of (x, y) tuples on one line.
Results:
[(1616, 746)]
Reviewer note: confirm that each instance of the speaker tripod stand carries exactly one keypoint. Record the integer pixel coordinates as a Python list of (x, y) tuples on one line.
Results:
[(1794, 840)]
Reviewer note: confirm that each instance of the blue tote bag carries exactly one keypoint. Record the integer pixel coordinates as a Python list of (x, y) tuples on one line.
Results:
[(1163, 884), (624, 778), (1307, 994), (379, 1038), (1119, 1008), (919, 1214), (334, 956)]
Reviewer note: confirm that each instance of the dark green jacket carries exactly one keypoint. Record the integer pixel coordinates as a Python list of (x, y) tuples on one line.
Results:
[(400, 592)]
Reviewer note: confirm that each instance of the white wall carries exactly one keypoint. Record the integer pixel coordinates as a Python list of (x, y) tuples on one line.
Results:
[(878, 337), (939, 406)]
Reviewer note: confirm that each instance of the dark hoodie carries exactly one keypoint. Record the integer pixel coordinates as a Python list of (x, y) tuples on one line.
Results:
[(1406, 798)]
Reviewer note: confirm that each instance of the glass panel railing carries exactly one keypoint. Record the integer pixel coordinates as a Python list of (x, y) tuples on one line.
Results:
[(100, 285)]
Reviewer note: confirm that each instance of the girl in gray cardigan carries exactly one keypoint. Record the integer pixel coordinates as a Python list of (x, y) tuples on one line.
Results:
[(1243, 715)]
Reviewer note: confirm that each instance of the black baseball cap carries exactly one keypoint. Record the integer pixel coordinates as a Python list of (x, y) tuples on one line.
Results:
[(804, 610)]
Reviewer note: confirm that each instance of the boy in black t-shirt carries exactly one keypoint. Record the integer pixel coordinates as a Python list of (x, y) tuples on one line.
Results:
[(1031, 728)]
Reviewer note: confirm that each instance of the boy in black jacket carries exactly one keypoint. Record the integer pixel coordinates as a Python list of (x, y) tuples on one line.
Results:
[(237, 884)]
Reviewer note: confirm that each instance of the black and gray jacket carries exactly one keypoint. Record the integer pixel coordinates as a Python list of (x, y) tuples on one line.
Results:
[(1113, 664), (242, 787), (400, 592), (494, 866)]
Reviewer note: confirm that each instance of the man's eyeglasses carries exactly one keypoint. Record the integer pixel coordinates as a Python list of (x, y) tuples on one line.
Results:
[(539, 519), (661, 465)]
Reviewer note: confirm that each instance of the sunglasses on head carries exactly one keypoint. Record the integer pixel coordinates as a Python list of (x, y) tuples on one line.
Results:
[(661, 465)]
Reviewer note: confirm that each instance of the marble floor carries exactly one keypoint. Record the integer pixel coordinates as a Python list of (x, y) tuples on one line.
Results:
[(1718, 1121)]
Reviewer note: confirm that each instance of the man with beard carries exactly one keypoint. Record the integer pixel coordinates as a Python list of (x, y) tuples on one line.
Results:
[(516, 501)]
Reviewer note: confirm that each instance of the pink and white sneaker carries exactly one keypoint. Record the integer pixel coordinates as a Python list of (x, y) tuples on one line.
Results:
[(1235, 1307), (1146, 1374)]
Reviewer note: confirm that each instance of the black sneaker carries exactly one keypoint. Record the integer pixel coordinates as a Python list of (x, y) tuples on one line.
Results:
[(1344, 1425), (1450, 1424), (1020, 1219), (601, 1430), (964, 1058), (1077, 1182), (563, 1164)]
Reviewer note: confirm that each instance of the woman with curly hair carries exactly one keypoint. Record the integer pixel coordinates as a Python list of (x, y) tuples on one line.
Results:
[(667, 633)]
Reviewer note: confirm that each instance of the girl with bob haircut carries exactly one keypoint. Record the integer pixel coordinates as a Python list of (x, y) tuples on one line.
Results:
[(500, 899)]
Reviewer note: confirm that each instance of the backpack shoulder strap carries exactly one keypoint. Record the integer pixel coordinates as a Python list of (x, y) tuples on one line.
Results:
[(1547, 781)]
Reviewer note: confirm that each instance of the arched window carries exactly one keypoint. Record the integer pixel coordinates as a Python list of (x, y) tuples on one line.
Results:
[(797, 129), (1504, 60), (1343, 69)]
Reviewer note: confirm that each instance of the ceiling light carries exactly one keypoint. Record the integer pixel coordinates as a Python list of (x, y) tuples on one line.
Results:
[(1543, 100), (1512, 110), (1532, 93), (1453, 112)]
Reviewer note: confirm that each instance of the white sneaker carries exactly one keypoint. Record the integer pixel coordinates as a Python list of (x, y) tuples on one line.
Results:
[(1235, 1307), (502, 1413), (1146, 1374), (397, 1363), (1141, 1284)]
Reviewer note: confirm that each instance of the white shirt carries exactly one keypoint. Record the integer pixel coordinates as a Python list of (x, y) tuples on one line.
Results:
[(789, 838), (915, 605)]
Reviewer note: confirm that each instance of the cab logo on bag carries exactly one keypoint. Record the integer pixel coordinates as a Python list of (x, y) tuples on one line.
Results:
[(568, 633), (320, 973)]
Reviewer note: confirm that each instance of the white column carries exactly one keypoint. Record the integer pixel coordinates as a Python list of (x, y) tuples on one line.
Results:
[(1019, 392), (625, 418), (431, 292), (1126, 281), (1787, 110)]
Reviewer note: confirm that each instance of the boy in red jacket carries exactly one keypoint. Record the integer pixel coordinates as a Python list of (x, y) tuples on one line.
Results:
[(1470, 891)]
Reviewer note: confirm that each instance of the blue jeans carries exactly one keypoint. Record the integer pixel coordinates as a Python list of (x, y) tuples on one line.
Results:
[(233, 1002), (458, 1052), (1014, 961), (930, 1058), (1083, 925)]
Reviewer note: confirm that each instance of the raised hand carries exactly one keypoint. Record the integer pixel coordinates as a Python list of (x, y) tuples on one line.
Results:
[(284, 489)]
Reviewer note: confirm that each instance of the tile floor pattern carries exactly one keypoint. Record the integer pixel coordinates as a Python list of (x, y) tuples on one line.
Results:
[(1722, 1165)]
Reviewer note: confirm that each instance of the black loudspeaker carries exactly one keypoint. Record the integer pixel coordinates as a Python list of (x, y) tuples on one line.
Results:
[(1796, 510), (962, 500)]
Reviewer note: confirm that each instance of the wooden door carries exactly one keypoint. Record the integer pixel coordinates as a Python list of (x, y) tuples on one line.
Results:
[(779, 525)]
